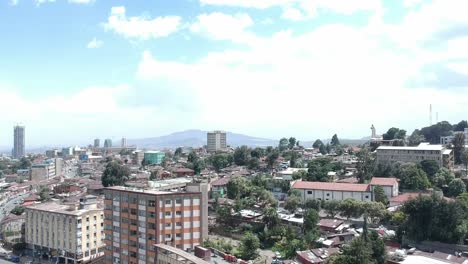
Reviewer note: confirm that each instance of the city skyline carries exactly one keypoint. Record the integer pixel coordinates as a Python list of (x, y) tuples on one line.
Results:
[(266, 69)]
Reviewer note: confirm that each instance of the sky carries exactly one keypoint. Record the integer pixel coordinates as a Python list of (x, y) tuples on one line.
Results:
[(74, 70)]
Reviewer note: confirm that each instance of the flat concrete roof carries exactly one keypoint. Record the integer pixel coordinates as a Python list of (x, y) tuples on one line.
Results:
[(181, 253)]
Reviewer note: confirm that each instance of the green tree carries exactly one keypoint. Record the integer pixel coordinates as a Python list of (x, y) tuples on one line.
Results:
[(443, 177), (365, 165), (317, 169), (317, 143), (283, 144), (379, 252), (115, 174), (411, 177), (44, 193), (178, 152), (323, 149), (416, 138), (192, 157), (254, 164), (257, 152), (335, 141), (224, 215), (242, 155), (18, 210), (237, 187), (292, 203), (24, 163), (311, 219), (458, 147), (292, 142), (271, 159), (248, 246), (379, 195), (219, 161), (356, 252), (456, 187), (332, 208), (460, 126), (351, 208), (464, 159), (433, 133), (270, 217), (394, 133), (430, 167), (299, 175)]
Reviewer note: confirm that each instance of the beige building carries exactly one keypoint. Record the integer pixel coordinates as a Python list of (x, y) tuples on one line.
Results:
[(216, 141), (74, 233), (388, 155), (135, 220)]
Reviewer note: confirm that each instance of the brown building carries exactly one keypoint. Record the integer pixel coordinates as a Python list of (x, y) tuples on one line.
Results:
[(135, 220)]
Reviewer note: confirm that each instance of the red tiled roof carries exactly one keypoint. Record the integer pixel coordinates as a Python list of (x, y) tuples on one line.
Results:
[(183, 170), (330, 223), (383, 181), (405, 197), (331, 186), (221, 182)]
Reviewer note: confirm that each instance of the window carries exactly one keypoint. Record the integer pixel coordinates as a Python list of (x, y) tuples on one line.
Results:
[(168, 202), (133, 211), (133, 200), (178, 224), (178, 201), (124, 210), (328, 194), (367, 196), (142, 202), (151, 203), (168, 213), (178, 235), (168, 225), (168, 235), (116, 198), (125, 199), (309, 192), (151, 214), (178, 213), (141, 213)]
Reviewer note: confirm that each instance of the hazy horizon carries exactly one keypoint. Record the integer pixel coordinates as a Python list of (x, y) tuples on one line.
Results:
[(74, 70)]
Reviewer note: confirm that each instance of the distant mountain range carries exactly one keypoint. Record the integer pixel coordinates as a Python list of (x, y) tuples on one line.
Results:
[(197, 138)]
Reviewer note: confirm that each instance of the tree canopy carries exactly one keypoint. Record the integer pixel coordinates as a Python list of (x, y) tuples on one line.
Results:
[(115, 174)]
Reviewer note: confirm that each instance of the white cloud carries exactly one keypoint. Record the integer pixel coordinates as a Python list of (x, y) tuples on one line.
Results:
[(293, 14), (338, 71), (95, 44), (308, 8), (141, 27), (81, 1), (220, 26), (459, 67), (78, 117), (39, 2), (14, 2)]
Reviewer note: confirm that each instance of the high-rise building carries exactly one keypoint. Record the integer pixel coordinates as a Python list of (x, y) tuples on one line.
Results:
[(97, 143), (108, 143), (136, 220), (18, 142), (73, 233), (123, 143), (216, 140), (154, 157)]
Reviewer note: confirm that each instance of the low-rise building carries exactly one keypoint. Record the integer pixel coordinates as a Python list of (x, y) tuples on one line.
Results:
[(219, 187), (389, 185), (166, 254), (388, 155), (12, 228), (154, 157), (71, 232), (333, 191)]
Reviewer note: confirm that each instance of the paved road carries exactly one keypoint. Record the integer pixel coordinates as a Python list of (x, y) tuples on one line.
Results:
[(2, 261), (5, 208)]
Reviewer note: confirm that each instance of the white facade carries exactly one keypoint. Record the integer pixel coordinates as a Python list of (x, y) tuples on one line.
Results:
[(327, 195), (387, 155), (216, 141)]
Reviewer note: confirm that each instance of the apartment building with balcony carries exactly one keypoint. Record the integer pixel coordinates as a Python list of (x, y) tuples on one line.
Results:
[(71, 233), (387, 155), (136, 220)]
